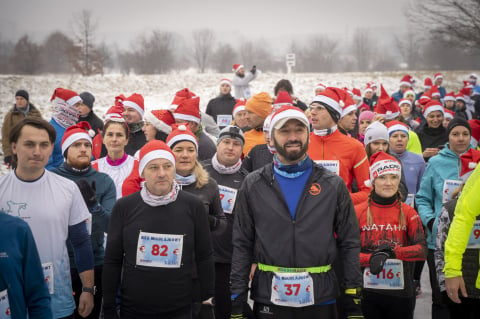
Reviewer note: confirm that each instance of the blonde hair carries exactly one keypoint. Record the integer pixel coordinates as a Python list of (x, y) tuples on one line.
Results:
[(401, 217), (201, 174)]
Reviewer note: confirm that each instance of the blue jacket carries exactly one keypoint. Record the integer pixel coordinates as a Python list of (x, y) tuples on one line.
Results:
[(445, 165), (397, 96), (106, 196), (21, 271), (413, 167), (56, 159)]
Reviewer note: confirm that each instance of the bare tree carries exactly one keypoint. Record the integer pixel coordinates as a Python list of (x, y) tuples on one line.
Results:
[(409, 47), (362, 48), (26, 56), (224, 57), (55, 51), (6, 51), (85, 56), (319, 55), (203, 42), (458, 22)]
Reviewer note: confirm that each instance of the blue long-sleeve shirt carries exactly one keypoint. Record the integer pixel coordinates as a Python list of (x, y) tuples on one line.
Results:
[(56, 159), (21, 271)]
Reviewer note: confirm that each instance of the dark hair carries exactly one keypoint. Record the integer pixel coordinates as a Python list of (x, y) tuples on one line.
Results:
[(123, 124), (161, 136), (284, 85), (38, 123), (368, 150)]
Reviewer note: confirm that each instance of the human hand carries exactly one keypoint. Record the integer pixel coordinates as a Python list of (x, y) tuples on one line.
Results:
[(85, 304), (453, 285)]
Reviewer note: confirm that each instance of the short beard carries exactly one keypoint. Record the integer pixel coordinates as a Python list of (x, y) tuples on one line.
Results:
[(291, 156)]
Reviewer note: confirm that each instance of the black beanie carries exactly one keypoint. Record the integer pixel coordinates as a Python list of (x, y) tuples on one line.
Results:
[(87, 99), (458, 122), (22, 93)]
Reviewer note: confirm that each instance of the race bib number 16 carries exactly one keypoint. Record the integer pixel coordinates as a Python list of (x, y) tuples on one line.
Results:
[(159, 250)]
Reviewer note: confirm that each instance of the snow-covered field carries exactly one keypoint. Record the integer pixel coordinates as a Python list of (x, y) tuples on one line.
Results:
[(159, 90)]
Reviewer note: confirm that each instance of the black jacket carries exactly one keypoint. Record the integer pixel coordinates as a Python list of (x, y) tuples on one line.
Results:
[(258, 157), (206, 147), (222, 238), (135, 142), (221, 105), (263, 231), (432, 137), (95, 122)]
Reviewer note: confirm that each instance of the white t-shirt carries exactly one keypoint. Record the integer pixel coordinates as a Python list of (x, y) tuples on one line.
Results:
[(49, 205), (118, 173)]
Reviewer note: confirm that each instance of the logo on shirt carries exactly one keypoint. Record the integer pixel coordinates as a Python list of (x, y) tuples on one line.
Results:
[(315, 189), (14, 208)]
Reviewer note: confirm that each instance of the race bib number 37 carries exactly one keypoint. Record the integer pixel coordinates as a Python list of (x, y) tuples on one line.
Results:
[(159, 250), (292, 290), (390, 278)]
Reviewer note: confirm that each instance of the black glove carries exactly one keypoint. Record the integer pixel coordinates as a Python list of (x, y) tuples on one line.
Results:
[(378, 258), (8, 160), (254, 69), (353, 303), (237, 308), (430, 224), (88, 192)]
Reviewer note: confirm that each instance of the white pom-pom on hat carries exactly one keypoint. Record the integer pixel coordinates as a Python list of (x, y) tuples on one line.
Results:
[(472, 165)]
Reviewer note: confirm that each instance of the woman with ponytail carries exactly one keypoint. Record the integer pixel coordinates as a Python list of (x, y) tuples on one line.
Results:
[(392, 240)]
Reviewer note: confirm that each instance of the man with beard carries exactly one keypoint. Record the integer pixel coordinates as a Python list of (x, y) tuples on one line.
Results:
[(241, 80), (283, 212), (99, 194)]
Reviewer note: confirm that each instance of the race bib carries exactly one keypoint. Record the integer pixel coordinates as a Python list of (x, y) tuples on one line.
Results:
[(292, 289), (474, 241), (390, 278), (227, 197), (224, 120), (4, 304), (247, 93), (48, 275), (410, 200), (448, 187), (159, 250), (332, 165)]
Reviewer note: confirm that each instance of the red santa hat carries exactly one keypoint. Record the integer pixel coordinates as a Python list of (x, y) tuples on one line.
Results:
[(181, 132), (460, 97), (405, 101), (320, 86), (427, 83), (81, 130), (119, 100), (467, 84), (226, 81), (394, 126), (408, 92), (424, 99), (188, 110), (283, 98), (349, 106), (406, 80), (432, 106), (154, 149), (357, 94), (115, 113), (475, 127), (161, 120), (373, 85), (466, 91), (382, 163), (449, 114), (333, 98), (469, 161), (437, 76), (286, 113), (434, 91), (68, 96), (179, 97), (386, 105), (239, 106), (237, 67), (135, 101), (449, 96), (368, 88)]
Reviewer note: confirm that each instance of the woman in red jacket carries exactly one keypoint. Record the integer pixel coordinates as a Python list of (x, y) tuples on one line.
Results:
[(392, 240)]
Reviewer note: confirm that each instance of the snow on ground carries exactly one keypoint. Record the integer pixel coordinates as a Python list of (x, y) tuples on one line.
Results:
[(159, 90)]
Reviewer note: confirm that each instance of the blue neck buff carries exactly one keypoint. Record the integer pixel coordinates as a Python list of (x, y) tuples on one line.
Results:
[(292, 171)]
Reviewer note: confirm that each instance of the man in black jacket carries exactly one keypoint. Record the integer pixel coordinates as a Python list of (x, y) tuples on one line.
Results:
[(85, 109), (292, 218), (221, 107)]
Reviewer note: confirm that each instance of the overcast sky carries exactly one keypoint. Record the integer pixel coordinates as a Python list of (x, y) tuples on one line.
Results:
[(121, 20)]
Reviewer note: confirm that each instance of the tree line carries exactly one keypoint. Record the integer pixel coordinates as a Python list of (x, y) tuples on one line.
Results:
[(446, 38)]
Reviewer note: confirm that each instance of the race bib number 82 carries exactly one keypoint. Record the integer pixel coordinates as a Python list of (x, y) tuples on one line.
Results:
[(159, 250)]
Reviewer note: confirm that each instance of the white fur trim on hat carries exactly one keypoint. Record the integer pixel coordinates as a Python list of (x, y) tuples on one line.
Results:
[(115, 117), (226, 81), (336, 106), (448, 116), (182, 137), (278, 120), (461, 98), (159, 125), (348, 109), (437, 76), (405, 101), (449, 98), (433, 108), (135, 106), (238, 109), (397, 127), (185, 117), (75, 137), (74, 100), (154, 155), (238, 68), (406, 83)]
